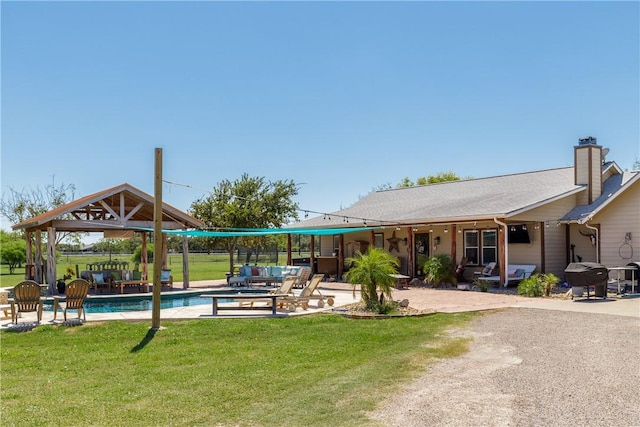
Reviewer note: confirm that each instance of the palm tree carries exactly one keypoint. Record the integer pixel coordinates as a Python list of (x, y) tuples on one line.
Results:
[(371, 271)]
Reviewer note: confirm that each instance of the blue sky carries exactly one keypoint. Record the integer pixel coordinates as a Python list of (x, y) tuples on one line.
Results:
[(340, 96)]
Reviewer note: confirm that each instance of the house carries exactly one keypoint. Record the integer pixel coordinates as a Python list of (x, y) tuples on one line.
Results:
[(548, 218)]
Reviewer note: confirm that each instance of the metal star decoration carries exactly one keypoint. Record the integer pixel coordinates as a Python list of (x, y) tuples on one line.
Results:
[(393, 242)]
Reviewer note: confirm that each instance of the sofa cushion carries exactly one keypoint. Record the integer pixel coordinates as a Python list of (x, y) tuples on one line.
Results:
[(276, 271), (98, 277), (516, 272), (165, 275)]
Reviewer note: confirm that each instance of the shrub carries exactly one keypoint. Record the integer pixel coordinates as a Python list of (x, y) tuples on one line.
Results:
[(438, 269), (137, 254), (372, 272), (537, 285)]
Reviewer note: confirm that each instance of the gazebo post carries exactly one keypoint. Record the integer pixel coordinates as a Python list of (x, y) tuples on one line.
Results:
[(165, 251), (38, 261), (289, 259), (185, 262), (144, 256), (51, 259), (29, 266)]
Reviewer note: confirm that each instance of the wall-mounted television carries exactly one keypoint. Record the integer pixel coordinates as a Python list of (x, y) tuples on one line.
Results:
[(518, 233)]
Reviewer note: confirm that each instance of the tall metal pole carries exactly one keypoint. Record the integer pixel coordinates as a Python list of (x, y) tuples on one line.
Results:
[(157, 241)]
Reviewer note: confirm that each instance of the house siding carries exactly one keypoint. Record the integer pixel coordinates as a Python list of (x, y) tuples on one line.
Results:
[(583, 249), (618, 218), (555, 252)]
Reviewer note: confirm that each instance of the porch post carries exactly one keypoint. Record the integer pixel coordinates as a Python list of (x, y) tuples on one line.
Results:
[(454, 247), (372, 239), (502, 246), (410, 251), (289, 259), (340, 255), (312, 256)]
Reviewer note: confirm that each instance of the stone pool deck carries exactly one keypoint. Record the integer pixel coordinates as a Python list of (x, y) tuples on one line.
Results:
[(438, 300)]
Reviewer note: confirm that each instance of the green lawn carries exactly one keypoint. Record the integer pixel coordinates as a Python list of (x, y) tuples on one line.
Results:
[(312, 370), (201, 266)]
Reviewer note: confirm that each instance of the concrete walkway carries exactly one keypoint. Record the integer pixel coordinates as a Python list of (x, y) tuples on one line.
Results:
[(439, 300)]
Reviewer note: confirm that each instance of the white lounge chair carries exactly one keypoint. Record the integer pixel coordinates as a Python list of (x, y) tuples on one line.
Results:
[(515, 274)]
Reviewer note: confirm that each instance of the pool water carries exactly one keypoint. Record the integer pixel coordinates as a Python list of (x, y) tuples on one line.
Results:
[(141, 303)]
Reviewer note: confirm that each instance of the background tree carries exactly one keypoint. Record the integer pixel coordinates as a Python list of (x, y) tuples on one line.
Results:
[(248, 202), (431, 179), (13, 250), (636, 165), (423, 180), (17, 206)]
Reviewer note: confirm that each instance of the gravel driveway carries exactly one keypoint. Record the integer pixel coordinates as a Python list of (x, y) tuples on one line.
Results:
[(530, 367)]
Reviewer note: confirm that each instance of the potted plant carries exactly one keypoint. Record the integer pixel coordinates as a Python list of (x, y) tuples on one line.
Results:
[(61, 283), (372, 271)]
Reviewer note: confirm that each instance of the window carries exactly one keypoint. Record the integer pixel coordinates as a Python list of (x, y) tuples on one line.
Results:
[(489, 246), (471, 246), (379, 240), (481, 247)]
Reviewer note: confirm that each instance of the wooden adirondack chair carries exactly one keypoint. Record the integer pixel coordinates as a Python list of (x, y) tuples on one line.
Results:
[(26, 298), (75, 295)]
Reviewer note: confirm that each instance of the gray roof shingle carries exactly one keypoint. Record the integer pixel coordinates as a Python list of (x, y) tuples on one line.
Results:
[(499, 196), (610, 188)]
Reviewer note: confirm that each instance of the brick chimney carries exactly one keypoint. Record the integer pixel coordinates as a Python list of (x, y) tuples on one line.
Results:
[(588, 160)]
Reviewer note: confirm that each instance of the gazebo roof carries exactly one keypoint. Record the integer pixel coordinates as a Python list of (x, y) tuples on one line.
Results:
[(121, 207)]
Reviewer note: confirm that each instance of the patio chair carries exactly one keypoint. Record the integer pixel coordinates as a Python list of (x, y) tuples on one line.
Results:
[(26, 298), (311, 291), (303, 277), (99, 281), (166, 278), (75, 295), (460, 269), (486, 271), (4, 303), (285, 288)]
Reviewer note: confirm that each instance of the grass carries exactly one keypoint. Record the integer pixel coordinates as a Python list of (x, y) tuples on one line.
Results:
[(201, 266), (313, 370)]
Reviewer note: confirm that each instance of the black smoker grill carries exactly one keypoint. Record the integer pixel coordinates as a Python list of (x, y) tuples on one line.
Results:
[(586, 274)]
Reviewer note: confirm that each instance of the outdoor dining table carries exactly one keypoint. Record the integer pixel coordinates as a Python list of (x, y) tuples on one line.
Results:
[(216, 297), (139, 283), (619, 270)]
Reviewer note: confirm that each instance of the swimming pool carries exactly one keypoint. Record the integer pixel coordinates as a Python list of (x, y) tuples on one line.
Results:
[(116, 304)]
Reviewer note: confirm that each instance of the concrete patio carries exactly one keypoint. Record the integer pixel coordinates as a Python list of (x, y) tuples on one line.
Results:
[(438, 300)]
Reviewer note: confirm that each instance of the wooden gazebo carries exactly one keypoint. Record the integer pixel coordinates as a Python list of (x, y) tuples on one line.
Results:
[(123, 208)]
